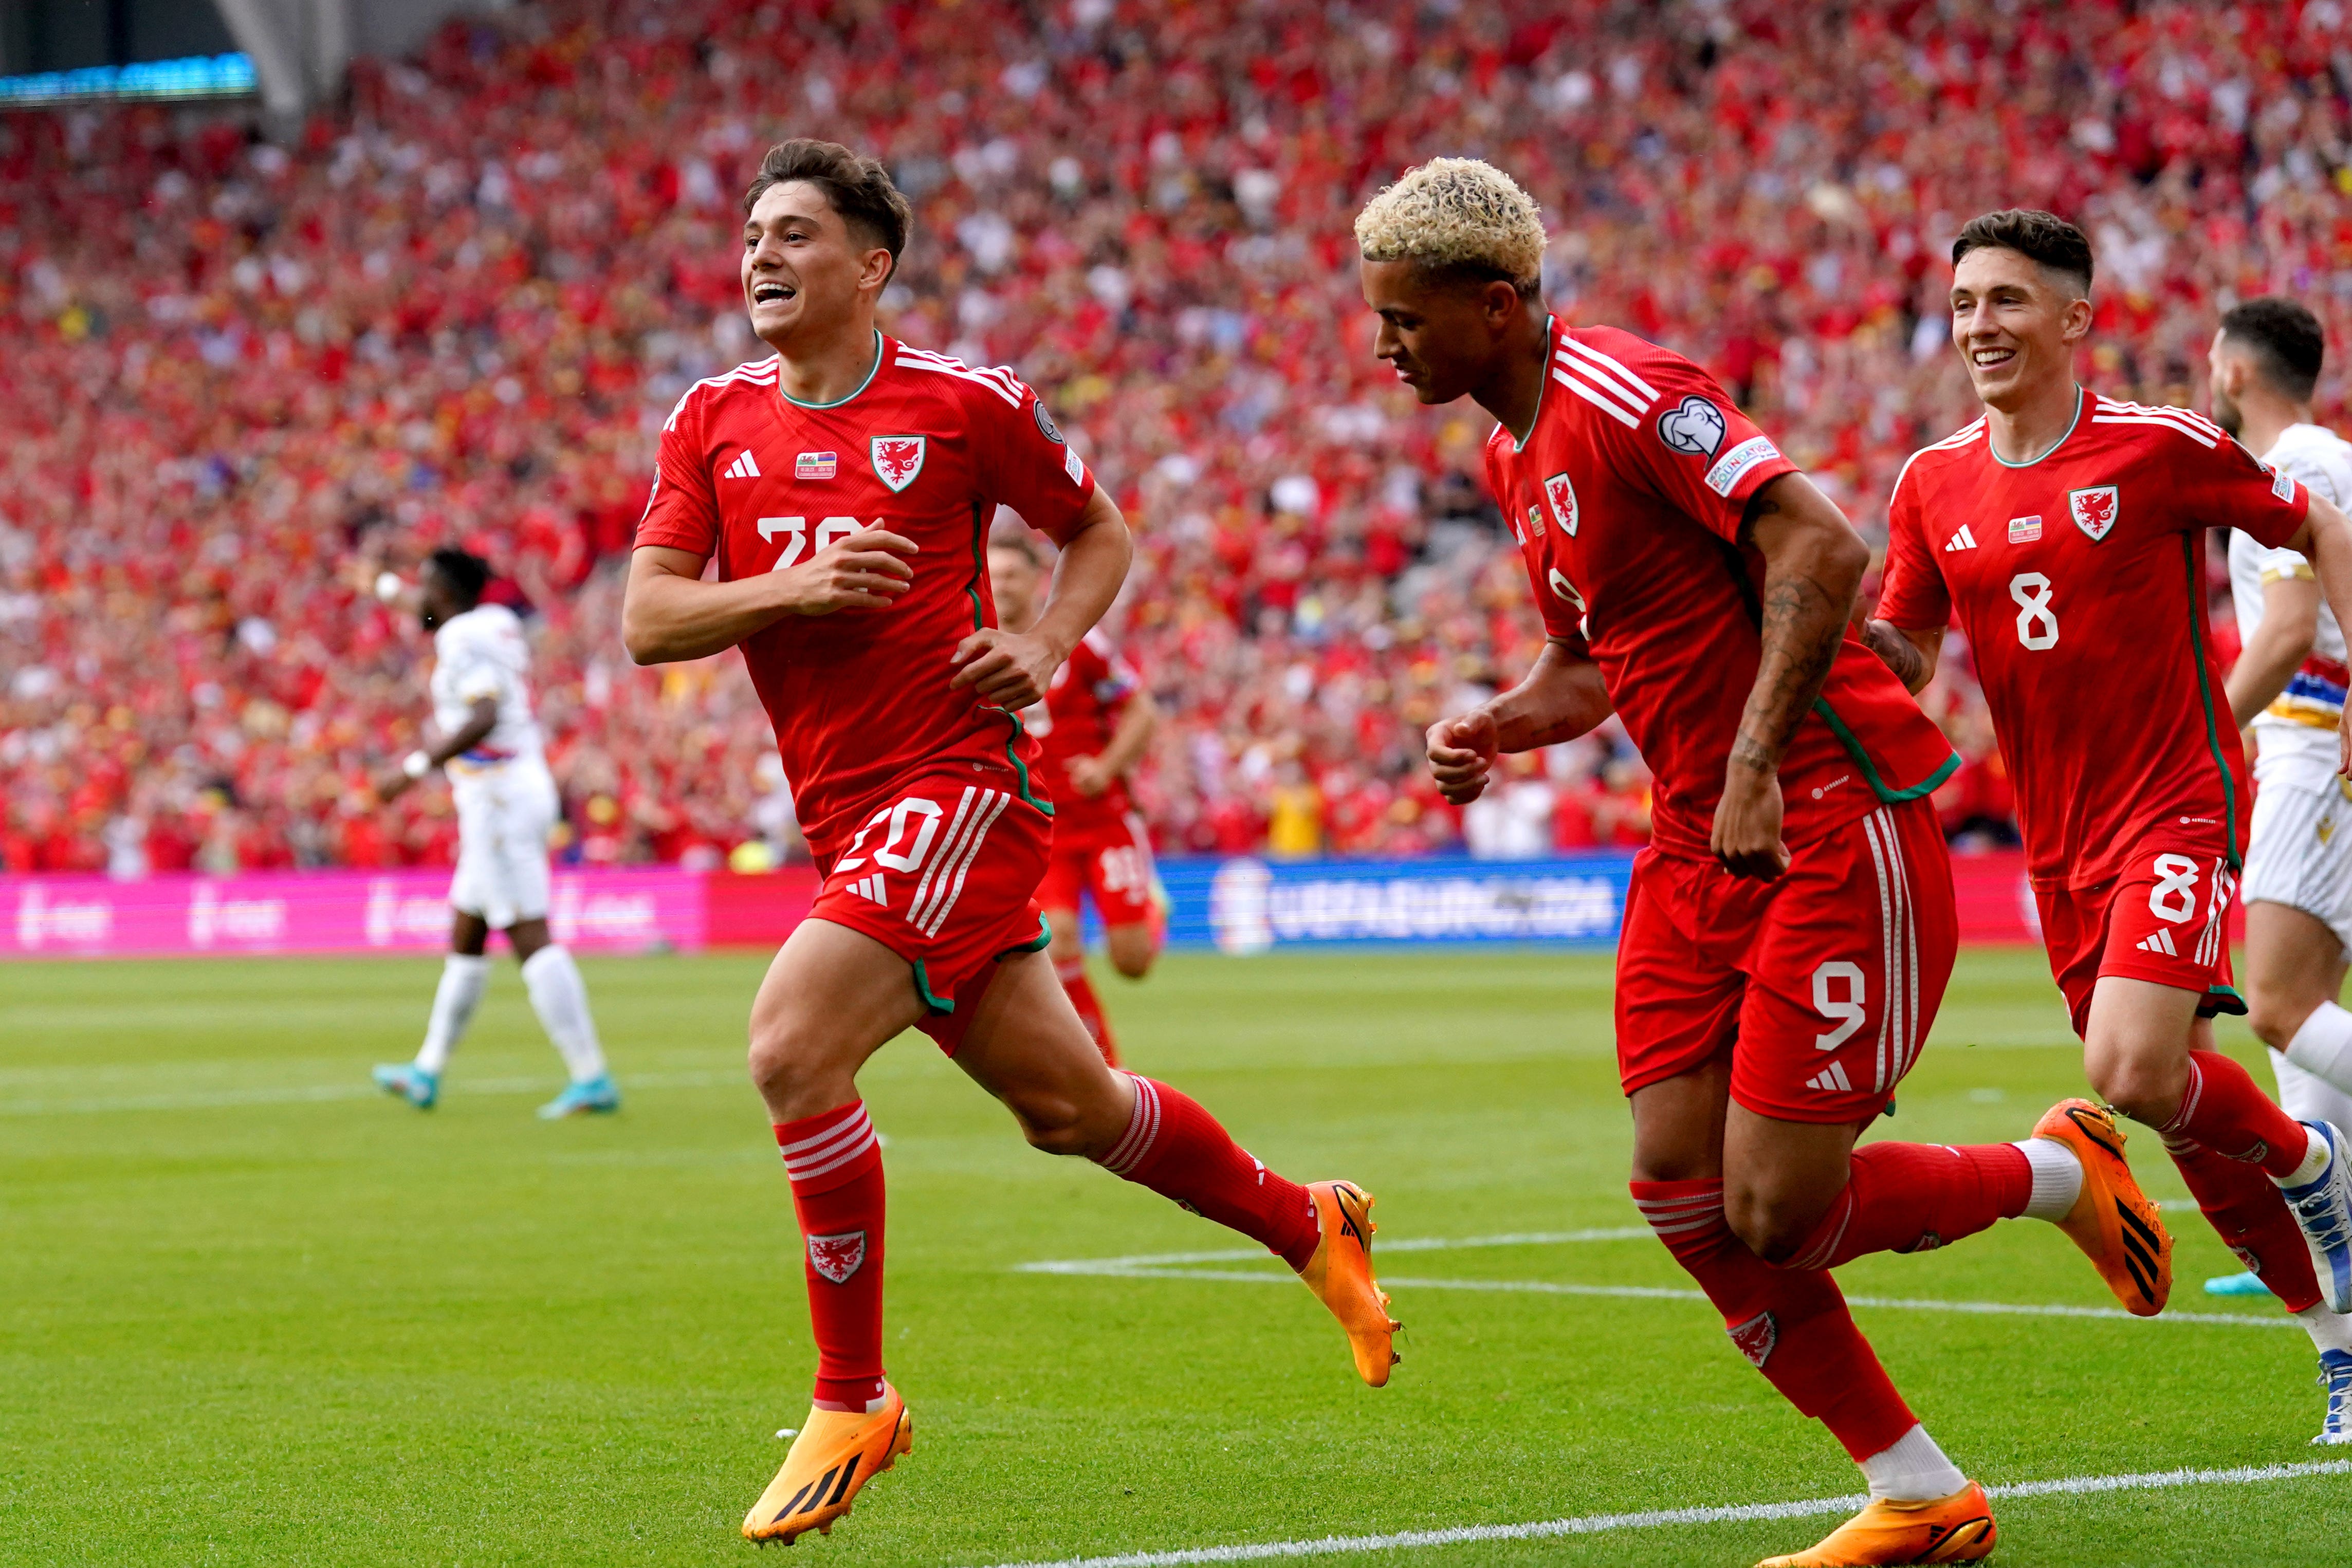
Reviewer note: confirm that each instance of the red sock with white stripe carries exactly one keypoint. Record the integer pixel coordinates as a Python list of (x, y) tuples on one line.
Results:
[(1178, 1150), (2245, 1209), (1073, 976), (1908, 1197), (2226, 1111), (835, 1165), (1793, 1324)]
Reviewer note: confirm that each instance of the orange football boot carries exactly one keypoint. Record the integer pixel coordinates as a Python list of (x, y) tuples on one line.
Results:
[(1955, 1529), (1340, 1275), (837, 1453), (2115, 1224)]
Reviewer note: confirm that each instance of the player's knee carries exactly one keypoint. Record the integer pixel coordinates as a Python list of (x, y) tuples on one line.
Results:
[(1133, 960), (1054, 1124), (1770, 1224), (2275, 1017), (2148, 1091), (785, 1060)]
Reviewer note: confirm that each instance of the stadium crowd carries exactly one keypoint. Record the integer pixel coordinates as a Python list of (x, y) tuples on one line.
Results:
[(241, 376)]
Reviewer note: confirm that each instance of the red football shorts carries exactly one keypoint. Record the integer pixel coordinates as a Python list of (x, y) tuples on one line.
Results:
[(944, 876), (1819, 986), (1109, 861), (2165, 919)]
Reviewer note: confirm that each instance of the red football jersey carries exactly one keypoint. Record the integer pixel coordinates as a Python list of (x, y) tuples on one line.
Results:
[(2080, 581), (929, 448), (1626, 499), (1081, 710)]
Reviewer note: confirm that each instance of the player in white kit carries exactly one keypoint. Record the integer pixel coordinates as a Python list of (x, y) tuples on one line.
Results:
[(490, 746), (2287, 690)]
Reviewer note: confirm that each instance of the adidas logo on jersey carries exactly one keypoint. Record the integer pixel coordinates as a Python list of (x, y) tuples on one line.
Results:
[(870, 888), (1961, 540), (743, 467), (1832, 1080), (2159, 941)]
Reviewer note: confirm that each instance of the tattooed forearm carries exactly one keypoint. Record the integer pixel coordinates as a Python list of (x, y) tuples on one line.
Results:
[(1899, 653), (1802, 624)]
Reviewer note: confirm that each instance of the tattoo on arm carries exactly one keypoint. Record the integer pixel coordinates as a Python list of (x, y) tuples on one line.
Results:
[(1802, 625), (1898, 653)]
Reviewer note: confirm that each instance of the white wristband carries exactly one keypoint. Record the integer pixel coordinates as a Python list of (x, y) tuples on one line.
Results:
[(388, 586), (417, 765)]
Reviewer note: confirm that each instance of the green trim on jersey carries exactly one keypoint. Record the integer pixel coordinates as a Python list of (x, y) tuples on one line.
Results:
[(2080, 399), (2221, 999), (1878, 787), (923, 989), (2188, 546), (979, 623), (1552, 341), (1037, 943), (839, 400)]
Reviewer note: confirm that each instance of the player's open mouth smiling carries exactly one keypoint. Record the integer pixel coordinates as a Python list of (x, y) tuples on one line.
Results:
[(1985, 359), (771, 293)]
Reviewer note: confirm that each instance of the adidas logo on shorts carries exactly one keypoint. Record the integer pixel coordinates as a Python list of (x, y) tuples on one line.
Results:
[(2159, 941), (1831, 1081)]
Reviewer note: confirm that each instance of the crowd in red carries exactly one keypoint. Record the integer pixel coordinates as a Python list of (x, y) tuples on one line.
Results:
[(458, 307)]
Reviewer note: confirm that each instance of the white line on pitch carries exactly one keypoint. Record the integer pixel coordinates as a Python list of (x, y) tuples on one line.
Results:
[(1411, 1244), (1161, 1266), (1593, 1525)]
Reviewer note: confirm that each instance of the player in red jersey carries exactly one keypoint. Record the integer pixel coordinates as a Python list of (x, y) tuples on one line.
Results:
[(2067, 532), (1788, 930), (1091, 729), (844, 486)]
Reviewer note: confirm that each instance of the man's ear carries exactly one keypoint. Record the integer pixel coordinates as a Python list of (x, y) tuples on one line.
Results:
[(1501, 300), (2078, 320)]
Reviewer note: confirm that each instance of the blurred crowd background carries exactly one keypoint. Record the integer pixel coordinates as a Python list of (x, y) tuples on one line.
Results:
[(240, 375)]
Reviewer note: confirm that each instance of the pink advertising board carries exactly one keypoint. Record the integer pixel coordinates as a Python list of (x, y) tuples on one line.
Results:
[(627, 910)]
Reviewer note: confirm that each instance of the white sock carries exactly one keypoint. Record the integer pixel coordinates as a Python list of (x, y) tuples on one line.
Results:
[(2307, 1097), (559, 997), (2314, 1161), (1913, 1470), (462, 977), (2322, 1046), (2057, 1179), (2328, 1331)]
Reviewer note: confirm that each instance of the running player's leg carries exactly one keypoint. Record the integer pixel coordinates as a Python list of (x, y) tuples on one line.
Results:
[(559, 995), (1122, 882), (1024, 1044), (1057, 896), (2295, 972), (1844, 982), (832, 998), (1679, 1008), (464, 975)]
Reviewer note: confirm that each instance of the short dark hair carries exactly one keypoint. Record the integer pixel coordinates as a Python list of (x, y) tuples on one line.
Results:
[(2286, 340), (2040, 237), (466, 573), (858, 187), (1470, 277)]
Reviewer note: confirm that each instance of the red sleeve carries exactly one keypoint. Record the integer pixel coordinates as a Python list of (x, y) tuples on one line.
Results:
[(1911, 593), (2227, 487), (1022, 459), (682, 513), (1693, 447)]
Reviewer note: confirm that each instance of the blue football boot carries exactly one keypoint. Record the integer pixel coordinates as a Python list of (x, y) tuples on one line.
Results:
[(2323, 1211), (410, 1081), (599, 1096)]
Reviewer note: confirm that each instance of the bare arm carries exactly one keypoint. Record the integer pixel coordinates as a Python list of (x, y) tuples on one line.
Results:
[(481, 717), (669, 614), (2280, 642), (1560, 698), (1012, 669), (2325, 542), (1813, 562), (1910, 654), (1093, 775)]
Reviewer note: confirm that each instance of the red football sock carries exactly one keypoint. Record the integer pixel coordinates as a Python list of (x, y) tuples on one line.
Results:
[(2225, 1110), (835, 1165), (1081, 991), (1178, 1150), (1909, 1198), (1791, 1323), (2244, 1207)]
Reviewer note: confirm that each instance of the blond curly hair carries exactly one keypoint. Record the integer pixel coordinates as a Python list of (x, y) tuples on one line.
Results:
[(1456, 212)]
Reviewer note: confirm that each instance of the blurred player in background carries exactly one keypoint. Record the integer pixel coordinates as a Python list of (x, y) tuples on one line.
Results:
[(2068, 532), (1789, 931), (1091, 729), (844, 486), (506, 800), (2286, 693)]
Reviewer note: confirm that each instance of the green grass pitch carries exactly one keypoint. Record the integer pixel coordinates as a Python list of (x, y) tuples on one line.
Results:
[(256, 1314)]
